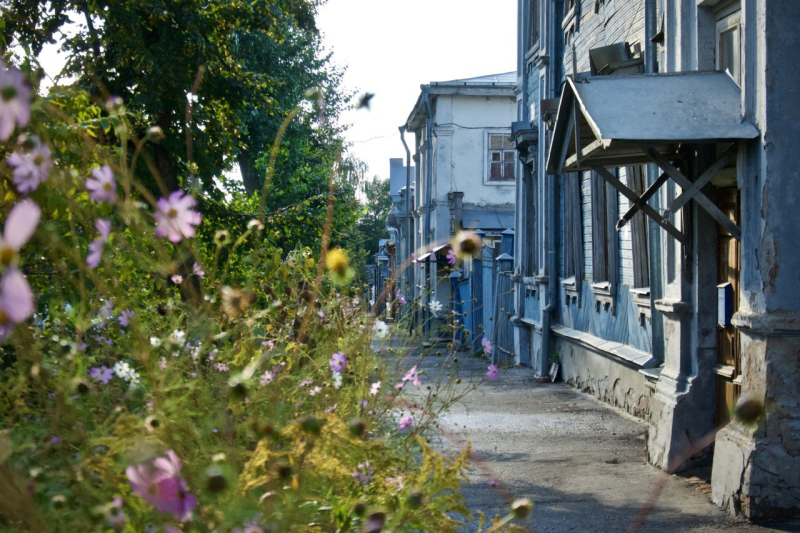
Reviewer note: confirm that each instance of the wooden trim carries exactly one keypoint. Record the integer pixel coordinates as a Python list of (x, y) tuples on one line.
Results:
[(702, 181)]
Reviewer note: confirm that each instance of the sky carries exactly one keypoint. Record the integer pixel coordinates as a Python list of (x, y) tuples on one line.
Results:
[(391, 47)]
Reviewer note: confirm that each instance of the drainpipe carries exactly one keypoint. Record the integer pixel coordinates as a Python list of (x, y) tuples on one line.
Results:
[(650, 29), (428, 185), (409, 221)]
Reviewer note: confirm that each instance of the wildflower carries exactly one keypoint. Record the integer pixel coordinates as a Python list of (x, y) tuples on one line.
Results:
[(331, 408), (307, 382), (155, 342), (15, 100), (222, 237), (487, 346), (266, 378), (125, 317), (151, 423), (338, 362), (220, 367), (197, 269), (269, 344), (102, 188), (316, 390), (491, 373), (122, 369), (162, 363), (405, 423), (435, 306), (400, 298), (376, 387), (380, 329), (175, 218), (235, 302), (103, 227), (339, 265), (114, 102), (363, 474), (255, 223), (177, 338), (451, 257), (337, 380), (103, 374), (161, 486), (16, 300), (20, 225), (396, 482), (493, 483), (30, 165), (412, 376), (177, 279), (467, 244)]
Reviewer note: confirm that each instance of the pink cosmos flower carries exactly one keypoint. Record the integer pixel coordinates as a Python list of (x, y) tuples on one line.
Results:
[(220, 367), (30, 165), (338, 362), (400, 298), (316, 390), (177, 279), (103, 227), (197, 269), (487, 346), (491, 372), (15, 100), (125, 317), (413, 377), (16, 300), (102, 188), (363, 474), (266, 378), (20, 225), (331, 408), (451, 257), (405, 423), (376, 387), (161, 486), (103, 374), (175, 218)]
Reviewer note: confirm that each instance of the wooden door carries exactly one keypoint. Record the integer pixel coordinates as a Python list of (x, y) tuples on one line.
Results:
[(728, 368)]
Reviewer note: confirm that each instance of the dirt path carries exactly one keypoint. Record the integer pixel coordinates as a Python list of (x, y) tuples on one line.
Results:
[(581, 462)]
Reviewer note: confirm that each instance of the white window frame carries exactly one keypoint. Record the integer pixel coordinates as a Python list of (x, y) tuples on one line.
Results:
[(487, 163)]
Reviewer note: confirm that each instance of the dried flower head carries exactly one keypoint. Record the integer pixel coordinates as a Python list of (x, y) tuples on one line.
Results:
[(235, 302)]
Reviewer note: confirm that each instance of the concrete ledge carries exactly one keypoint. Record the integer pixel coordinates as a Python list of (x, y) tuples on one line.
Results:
[(532, 324), (615, 351)]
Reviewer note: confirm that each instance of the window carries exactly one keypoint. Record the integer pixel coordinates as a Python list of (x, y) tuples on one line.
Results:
[(573, 228), (638, 230), (534, 24), (729, 45), (502, 158), (605, 210)]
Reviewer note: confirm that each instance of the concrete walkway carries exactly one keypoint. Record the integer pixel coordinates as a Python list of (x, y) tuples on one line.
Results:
[(581, 462)]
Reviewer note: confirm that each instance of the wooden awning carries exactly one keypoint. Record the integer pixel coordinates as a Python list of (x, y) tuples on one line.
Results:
[(608, 122)]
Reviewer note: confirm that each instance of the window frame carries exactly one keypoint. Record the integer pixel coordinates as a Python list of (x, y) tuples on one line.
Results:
[(728, 22), (487, 154)]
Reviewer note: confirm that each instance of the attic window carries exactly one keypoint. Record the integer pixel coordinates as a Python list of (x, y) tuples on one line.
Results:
[(502, 158)]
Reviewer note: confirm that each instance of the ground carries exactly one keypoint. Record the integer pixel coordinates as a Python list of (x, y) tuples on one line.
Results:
[(580, 461)]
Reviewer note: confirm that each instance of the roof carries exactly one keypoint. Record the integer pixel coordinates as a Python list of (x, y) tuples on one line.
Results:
[(617, 114), (506, 78), (502, 85), (487, 219)]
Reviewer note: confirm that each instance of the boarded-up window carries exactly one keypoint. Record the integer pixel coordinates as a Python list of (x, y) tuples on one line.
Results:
[(502, 158)]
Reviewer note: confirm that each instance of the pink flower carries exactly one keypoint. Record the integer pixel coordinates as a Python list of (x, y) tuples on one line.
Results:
[(103, 374), (175, 218), (177, 279), (125, 317), (405, 423), (493, 483), (103, 227), (316, 390), (492, 371), (30, 165), (220, 367), (451, 257), (20, 225), (413, 377), (102, 188), (16, 300), (338, 362), (487, 346), (266, 378), (162, 363), (161, 486), (15, 101), (376, 387), (197, 269), (401, 298)]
